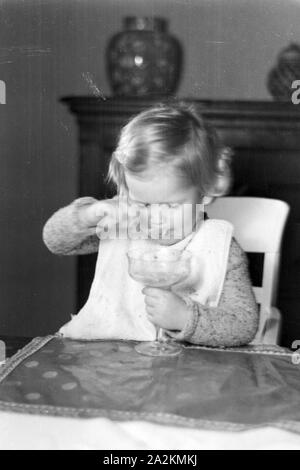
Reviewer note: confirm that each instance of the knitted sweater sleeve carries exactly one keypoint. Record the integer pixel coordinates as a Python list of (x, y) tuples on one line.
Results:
[(234, 321), (63, 233)]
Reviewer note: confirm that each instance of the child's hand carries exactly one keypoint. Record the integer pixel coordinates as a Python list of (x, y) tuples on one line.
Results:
[(165, 309), (106, 216), (105, 208), (110, 216)]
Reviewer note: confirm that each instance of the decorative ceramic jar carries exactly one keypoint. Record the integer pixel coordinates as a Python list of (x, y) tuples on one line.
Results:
[(144, 59), (286, 70)]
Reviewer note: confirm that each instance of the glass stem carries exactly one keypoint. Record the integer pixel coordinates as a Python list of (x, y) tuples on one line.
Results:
[(159, 331), (159, 335)]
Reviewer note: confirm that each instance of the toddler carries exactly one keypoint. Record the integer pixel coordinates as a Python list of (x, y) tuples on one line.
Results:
[(166, 166)]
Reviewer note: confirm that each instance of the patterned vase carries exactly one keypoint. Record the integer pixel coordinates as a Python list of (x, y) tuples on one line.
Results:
[(144, 59), (287, 69)]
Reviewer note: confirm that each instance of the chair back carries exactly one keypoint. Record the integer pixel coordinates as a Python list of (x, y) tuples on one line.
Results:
[(258, 227)]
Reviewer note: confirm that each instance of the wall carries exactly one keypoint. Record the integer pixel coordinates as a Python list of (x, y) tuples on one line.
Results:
[(46, 49)]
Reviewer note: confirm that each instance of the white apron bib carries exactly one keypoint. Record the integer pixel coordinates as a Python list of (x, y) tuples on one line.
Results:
[(115, 308)]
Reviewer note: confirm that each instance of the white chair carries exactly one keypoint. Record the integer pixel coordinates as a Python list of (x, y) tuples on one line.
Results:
[(258, 228)]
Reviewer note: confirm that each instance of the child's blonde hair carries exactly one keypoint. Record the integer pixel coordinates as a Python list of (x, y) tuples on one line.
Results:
[(172, 135)]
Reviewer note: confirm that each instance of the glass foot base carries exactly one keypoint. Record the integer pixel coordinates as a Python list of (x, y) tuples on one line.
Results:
[(158, 348)]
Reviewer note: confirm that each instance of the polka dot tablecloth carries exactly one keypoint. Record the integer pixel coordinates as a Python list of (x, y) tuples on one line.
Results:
[(214, 389)]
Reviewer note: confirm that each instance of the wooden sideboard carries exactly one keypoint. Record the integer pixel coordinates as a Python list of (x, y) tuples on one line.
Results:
[(265, 137)]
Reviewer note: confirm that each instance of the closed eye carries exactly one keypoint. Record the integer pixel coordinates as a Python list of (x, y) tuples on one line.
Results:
[(172, 205)]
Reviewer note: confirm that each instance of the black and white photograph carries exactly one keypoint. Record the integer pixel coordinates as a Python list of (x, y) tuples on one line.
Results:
[(149, 227)]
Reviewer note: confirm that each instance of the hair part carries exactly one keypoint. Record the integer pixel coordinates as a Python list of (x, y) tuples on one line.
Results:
[(174, 136)]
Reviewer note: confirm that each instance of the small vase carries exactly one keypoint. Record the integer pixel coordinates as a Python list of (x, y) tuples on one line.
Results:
[(287, 69), (144, 59)]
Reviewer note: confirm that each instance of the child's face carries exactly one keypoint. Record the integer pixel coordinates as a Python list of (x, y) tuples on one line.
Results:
[(164, 192)]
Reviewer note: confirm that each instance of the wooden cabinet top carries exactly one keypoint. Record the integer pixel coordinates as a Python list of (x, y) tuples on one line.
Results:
[(258, 124)]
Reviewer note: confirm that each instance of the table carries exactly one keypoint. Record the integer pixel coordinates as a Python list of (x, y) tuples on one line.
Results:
[(14, 343), (202, 399)]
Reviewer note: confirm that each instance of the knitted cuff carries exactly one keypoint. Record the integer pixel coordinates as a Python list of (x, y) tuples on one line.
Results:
[(190, 326), (64, 230)]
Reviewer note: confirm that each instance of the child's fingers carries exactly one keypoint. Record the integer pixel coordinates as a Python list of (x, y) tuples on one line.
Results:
[(150, 301), (150, 313), (150, 309), (151, 319), (152, 292), (109, 206)]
